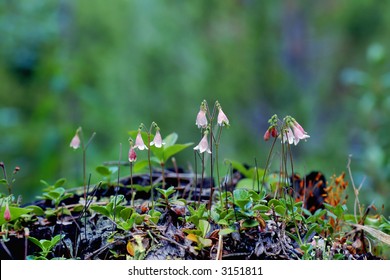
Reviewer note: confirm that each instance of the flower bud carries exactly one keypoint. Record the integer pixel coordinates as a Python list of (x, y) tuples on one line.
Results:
[(7, 213)]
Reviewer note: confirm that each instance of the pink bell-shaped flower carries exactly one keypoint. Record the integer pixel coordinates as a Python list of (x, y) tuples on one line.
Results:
[(201, 118), (222, 120), (203, 145), (139, 142), (75, 143), (294, 132), (157, 141)]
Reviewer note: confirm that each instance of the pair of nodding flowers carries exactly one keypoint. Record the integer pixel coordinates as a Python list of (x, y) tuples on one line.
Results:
[(292, 131), (139, 144), (201, 122)]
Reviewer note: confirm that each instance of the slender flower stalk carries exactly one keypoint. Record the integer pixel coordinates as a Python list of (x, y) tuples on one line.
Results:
[(204, 121), (222, 121), (77, 142), (158, 143), (132, 159), (140, 144), (8, 182), (290, 132)]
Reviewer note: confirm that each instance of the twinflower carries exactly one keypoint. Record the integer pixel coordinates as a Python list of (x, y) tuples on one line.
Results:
[(139, 142), (294, 132), (203, 145), (222, 119), (75, 143), (157, 141), (201, 119)]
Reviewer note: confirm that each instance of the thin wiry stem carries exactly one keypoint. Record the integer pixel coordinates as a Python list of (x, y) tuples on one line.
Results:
[(150, 173), (217, 164), (267, 163), (202, 180), (195, 175), (291, 198), (117, 186), (84, 148), (257, 176), (355, 190), (131, 184)]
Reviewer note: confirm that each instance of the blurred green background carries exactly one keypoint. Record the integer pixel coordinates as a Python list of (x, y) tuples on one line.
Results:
[(109, 65)]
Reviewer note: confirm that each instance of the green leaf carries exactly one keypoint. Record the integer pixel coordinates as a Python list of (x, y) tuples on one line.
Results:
[(154, 216), (166, 193), (255, 196), (103, 170), (45, 183), (100, 209), (165, 152), (205, 241), (36, 242), (226, 231), (125, 214), (60, 182), (55, 240), (175, 149), (138, 219), (214, 216), (241, 194), (36, 210), (250, 223), (223, 222), (274, 202), (318, 212), (204, 227), (126, 225), (261, 208), (281, 210), (3, 181), (308, 213), (298, 204), (241, 198), (314, 228), (117, 200), (46, 244), (339, 210), (170, 139)]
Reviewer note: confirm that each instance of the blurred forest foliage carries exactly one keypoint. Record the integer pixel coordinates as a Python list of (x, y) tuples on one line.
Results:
[(108, 66)]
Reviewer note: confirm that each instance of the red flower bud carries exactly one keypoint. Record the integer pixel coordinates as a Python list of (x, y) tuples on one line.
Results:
[(267, 134)]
